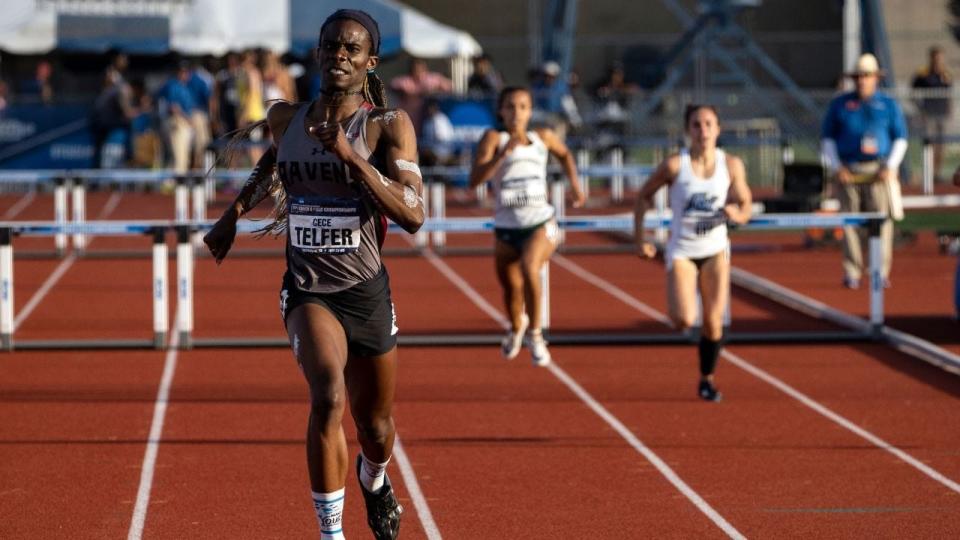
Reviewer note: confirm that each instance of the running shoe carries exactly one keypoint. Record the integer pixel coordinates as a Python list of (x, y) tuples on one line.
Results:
[(538, 350), (709, 392), (510, 347), (383, 510), (851, 283)]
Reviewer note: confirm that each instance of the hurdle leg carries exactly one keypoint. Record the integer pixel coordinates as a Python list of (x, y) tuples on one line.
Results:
[(438, 211), (545, 296), (616, 182), (60, 213), (557, 197), (78, 196), (6, 289), (181, 200), (660, 201), (583, 162), (198, 200), (928, 172), (161, 304), (876, 279), (209, 182), (422, 237), (184, 287)]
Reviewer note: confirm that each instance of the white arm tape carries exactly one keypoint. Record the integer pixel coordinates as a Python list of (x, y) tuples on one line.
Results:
[(409, 166)]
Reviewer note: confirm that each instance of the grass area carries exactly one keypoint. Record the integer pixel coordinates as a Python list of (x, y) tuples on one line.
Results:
[(918, 220)]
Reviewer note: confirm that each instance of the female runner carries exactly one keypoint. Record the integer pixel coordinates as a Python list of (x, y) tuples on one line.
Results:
[(708, 189), (515, 161)]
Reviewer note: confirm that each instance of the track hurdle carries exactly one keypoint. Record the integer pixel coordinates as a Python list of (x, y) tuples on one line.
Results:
[(159, 286)]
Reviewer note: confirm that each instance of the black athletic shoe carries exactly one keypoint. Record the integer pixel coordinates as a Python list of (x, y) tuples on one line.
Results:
[(708, 392), (383, 510)]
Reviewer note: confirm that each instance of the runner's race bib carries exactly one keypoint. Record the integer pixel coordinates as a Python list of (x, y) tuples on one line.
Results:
[(519, 192), (329, 226)]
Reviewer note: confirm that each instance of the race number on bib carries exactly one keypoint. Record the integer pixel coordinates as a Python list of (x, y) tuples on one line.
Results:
[(324, 225), (520, 192)]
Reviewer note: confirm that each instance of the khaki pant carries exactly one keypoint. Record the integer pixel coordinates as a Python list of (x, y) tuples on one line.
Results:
[(200, 123), (865, 197), (181, 136)]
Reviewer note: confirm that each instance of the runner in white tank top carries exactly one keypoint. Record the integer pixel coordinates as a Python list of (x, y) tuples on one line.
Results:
[(699, 226), (708, 188), (520, 185), (515, 162)]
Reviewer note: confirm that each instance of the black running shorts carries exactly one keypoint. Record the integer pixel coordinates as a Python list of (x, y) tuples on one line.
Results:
[(365, 311)]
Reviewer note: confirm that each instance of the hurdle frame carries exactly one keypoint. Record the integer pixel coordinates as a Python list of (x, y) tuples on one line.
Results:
[(870, 331), (158, 290)]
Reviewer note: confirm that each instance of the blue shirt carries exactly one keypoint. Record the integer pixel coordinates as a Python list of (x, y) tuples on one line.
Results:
[(177, 92), (864, 130), (200, 88)]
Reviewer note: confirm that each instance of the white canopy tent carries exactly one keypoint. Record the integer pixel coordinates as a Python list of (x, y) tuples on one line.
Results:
[(218, 26)]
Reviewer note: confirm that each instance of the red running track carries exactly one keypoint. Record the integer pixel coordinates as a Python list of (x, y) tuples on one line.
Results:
[(499, 449)]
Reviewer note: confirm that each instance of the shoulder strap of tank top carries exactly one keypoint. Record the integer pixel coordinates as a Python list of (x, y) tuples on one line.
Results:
[(360, 116), (685, 165), (297, 121)]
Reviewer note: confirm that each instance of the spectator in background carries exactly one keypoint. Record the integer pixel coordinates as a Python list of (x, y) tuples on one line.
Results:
[(250, 93), (277, 82), (200, 86), (864, 140), (227, 102), (614, 96), (484, 81), (147, 147), (417, 84), (176, 106), (112, 110), (437, 136), (934, 79), (40, 87), (3, 98), (553, 105)]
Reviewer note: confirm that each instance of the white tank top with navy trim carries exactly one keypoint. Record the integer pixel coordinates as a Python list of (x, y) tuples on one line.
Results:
[(520, 185), (698, 228)]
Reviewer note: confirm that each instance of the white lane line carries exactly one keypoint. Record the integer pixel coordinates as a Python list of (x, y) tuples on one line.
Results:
[(836, 418), (61, 269), (41, 293), (597, 408), (416, 495), (465, 287), (826, 412), (153, 441), (20, 205), (111, 204), (652, 457), (611, 289)]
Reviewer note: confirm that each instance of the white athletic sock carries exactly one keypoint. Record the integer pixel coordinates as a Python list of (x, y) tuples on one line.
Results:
[(329, 508), (372, 473)]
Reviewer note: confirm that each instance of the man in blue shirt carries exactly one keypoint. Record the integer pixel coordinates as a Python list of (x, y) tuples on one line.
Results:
[(176, 105), (863, 141)]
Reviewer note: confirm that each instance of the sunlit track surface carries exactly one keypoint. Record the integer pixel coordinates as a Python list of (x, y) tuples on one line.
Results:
[(484, 437)]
